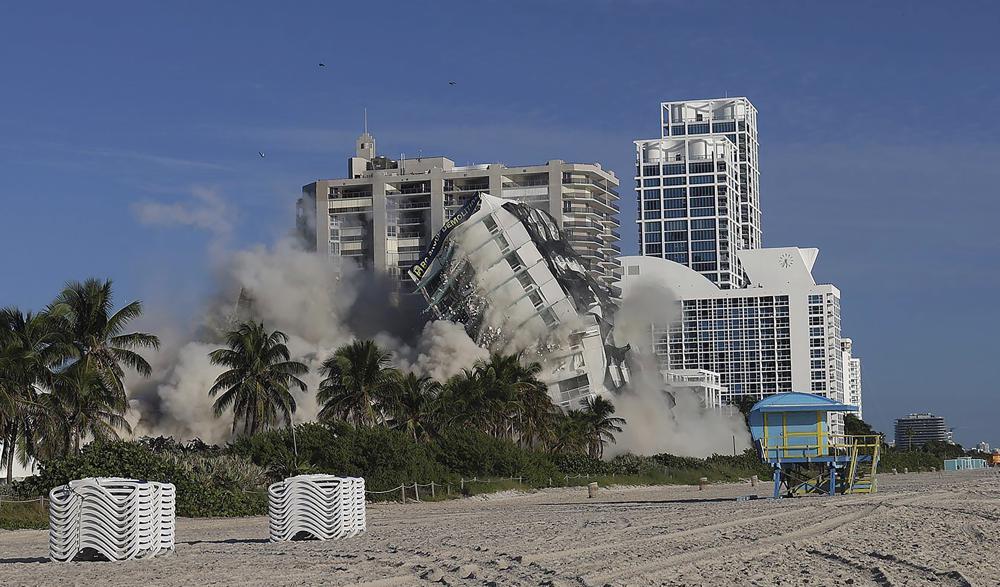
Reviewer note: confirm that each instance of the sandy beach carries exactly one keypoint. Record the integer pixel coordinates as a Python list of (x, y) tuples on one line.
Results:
[(920, 529)]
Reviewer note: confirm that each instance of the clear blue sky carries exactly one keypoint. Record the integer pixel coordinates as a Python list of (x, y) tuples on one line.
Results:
[(878, 126)]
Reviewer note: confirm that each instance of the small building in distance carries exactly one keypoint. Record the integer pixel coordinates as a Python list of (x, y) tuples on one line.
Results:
[(916, 430)]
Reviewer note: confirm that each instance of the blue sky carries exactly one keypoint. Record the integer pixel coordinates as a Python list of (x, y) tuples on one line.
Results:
[(878, 130)]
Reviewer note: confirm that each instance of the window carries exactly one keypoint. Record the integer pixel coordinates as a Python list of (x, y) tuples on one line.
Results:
[(651, 215), (514, 261), (652, 227), (697, 179), (677, 130), (675, 225), (676, 247), (678, 258), (697, 129), (724, 126), (651, 182), (654, 249), (675, 180), (674, 169), (703, 223), (678, 192), (490, 224), (703, 191), (504, 245), (650, 169), (650, 194), (674, 204), (702, 167)]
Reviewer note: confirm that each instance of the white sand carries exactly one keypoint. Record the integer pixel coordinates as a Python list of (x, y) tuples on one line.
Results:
[(920, 529)]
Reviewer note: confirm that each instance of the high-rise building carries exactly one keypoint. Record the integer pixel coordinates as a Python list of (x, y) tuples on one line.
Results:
[(983, 446), (852, 375), (915, 430), (385, 212), (698, 187), (781, 333)]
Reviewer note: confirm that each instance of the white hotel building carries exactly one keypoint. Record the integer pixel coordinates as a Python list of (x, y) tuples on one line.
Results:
[(780, 333)]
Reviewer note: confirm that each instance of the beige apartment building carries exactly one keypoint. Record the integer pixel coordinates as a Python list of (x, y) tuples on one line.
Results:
[(384, 213)]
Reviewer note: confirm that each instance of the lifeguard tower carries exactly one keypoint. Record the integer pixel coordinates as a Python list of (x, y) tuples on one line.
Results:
[(791, 433)]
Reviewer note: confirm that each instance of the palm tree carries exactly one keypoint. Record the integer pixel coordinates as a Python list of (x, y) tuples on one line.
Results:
[(601, 425), (256, 385), (463, 402), (536, 416), (570, 433), (511, 389), (30, 345), (358, 384), (98, 334), (412, 404), (86, 406)]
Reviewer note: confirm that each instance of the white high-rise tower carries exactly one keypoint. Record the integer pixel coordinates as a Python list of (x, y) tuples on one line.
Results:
[(698, 187)]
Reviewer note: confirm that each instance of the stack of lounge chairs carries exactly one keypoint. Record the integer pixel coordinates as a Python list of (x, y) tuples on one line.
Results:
[(322, 507), (119, 519)]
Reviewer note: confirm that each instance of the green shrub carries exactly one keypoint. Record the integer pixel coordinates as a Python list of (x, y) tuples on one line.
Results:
[(206, 486), (580, 464), (471, 453), (18, 516)]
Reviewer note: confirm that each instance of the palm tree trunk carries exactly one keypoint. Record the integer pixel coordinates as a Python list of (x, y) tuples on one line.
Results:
[(7, 449), (10, 454)]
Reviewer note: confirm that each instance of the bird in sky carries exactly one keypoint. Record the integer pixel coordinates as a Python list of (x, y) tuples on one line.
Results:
[(261, 153), (322, 65), (452, 83)]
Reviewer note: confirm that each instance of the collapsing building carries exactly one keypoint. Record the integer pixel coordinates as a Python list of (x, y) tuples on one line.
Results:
[(504, 270)]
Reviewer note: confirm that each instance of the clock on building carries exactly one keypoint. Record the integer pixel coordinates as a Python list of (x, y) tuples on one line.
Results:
[(785, 260)]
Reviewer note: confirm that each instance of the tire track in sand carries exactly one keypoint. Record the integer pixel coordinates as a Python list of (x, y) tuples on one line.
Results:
[(571, 552), (693, 557)]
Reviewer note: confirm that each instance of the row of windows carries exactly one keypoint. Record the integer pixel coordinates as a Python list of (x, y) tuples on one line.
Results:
[(761, 301), (736, 322)]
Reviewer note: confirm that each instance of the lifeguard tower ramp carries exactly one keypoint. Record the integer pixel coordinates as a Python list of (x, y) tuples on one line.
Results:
[(791, 433)]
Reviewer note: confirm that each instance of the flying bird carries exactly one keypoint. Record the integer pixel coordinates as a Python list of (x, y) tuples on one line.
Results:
[(452, 83), (322, 65), (261, 153)]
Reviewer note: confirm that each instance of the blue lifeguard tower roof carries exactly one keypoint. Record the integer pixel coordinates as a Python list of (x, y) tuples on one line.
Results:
[(797, 401)]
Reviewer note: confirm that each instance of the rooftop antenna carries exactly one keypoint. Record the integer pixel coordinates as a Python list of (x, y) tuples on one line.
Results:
[(366, 121)]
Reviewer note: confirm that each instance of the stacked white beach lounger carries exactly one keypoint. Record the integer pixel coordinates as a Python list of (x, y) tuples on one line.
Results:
[(119, 519), (323, 507)]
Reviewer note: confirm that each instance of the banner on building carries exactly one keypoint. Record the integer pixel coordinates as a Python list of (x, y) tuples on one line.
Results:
[(418, 270)]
